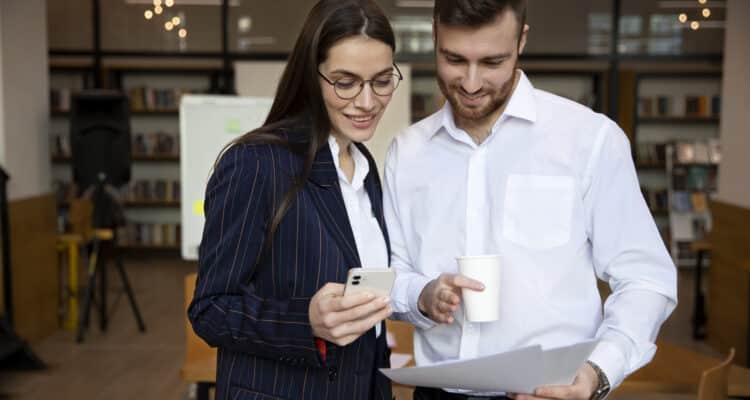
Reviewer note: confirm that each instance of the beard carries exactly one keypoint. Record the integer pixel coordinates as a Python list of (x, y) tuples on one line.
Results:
[(498, 97)]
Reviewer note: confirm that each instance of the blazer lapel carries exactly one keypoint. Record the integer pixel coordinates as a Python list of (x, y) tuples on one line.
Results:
[(326, 195), (375, 192)]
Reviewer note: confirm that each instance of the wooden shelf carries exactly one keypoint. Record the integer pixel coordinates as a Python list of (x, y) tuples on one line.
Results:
[(134, 157), (678, 120), (650, 166), (152, 204), (143, 204), (59, 113), (131, 246), (166, 111)]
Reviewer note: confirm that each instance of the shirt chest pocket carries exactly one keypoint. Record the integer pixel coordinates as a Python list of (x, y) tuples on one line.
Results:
[(538, 210)]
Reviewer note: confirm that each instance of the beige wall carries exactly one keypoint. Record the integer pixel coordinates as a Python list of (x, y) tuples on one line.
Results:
[(24, 82), (734, 174)]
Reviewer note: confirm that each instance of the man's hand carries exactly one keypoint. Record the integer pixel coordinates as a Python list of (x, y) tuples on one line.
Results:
[(582, 388), (441, 297), (342, 319)]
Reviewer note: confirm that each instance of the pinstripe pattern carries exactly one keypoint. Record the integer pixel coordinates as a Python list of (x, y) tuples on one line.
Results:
[(253, 304)]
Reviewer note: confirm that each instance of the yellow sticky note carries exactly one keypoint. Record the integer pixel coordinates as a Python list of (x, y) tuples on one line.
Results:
[(198, 207)]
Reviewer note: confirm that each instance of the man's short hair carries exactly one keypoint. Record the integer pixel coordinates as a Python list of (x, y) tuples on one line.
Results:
[(476, 13)]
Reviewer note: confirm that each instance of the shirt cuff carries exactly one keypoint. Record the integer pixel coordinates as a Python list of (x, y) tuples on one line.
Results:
[(611, 361), (419, 320)]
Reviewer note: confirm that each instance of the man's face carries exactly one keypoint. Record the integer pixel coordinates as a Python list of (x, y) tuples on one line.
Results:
[(476, 67)]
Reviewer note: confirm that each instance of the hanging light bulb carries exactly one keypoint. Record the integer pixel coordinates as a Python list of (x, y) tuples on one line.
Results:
[(176, 21), (168, 25), (182, 33), (695, 25), (148, 14), (706, 12), (683, 18)]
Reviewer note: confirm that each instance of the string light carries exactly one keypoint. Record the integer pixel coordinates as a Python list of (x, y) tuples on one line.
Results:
[(695, 25), (158, 10), (702, 1), (148, 14), (706, 13), (683, 18), (176, 21), (169, 3), (168, 25), (157, 3), (182, 33)]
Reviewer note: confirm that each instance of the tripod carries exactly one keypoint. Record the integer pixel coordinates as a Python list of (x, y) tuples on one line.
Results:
[(98, 268)]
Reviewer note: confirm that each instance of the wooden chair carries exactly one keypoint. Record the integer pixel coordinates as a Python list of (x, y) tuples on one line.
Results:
[(200, 359), (714, 384)]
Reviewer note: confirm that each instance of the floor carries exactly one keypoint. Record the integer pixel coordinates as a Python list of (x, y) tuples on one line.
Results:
[(125, 364)]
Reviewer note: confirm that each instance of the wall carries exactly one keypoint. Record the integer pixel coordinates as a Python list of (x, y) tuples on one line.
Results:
[(25, 94), (735, 134)]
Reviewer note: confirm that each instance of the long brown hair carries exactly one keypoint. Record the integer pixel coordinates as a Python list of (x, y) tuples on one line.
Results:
[(299, 98)]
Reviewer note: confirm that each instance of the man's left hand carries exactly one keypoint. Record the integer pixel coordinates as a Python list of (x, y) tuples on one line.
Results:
[(582, 388)]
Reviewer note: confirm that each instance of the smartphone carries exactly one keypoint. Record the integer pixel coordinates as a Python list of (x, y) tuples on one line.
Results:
[(378, 281)]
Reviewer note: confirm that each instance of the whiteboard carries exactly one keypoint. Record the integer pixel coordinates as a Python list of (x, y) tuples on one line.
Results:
[(207, 124)]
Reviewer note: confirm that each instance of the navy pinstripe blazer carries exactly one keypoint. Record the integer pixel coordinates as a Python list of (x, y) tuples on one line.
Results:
[(252, 302)]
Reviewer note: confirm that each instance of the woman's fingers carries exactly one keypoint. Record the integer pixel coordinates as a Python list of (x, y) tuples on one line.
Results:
[(359, 326)]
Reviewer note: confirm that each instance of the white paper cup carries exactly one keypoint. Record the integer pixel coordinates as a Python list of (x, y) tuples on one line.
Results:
[(481, 306)]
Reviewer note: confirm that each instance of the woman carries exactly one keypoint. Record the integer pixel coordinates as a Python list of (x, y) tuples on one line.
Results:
[(290, 208)]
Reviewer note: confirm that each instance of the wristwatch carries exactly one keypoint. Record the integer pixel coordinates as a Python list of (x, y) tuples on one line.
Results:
[(602, 389)]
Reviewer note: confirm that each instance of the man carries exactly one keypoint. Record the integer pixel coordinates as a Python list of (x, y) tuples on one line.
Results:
[(542, 181)]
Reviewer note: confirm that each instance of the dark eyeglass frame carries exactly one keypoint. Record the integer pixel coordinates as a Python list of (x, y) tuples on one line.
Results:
[(362, 83)]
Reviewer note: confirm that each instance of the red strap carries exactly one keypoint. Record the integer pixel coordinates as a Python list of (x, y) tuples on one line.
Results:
[(321, 344)]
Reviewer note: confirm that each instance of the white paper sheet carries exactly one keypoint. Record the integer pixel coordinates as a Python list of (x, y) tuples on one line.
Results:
[(517, 371)]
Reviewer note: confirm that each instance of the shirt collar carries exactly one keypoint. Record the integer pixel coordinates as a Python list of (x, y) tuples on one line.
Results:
[(361, 166), (520, 105)]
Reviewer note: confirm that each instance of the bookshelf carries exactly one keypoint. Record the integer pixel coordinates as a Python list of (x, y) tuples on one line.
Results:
[(675, 132), (151, 199)]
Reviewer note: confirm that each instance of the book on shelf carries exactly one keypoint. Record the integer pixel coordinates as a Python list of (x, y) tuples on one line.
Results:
[(699, 202), (158, 190), (697, 178), (698, 152), (143, 98), (656, 199), (59, 99), (149, 234), (681, 201), (701, 106), (60, 145), (155, 143), (651, 153)]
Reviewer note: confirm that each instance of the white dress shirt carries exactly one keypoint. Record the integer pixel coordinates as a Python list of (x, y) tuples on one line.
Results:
[(554, 191), (371, 247)]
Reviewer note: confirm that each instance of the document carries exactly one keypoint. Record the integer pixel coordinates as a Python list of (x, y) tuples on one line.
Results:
[(517, 371)]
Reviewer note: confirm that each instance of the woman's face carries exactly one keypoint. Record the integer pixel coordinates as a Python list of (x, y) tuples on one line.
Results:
[(351, 61)]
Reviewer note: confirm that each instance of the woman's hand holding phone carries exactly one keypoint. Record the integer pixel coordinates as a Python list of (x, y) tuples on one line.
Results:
[(342, 319)]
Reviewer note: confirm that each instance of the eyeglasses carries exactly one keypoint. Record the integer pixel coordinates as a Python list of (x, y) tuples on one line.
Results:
[(349, 87)]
